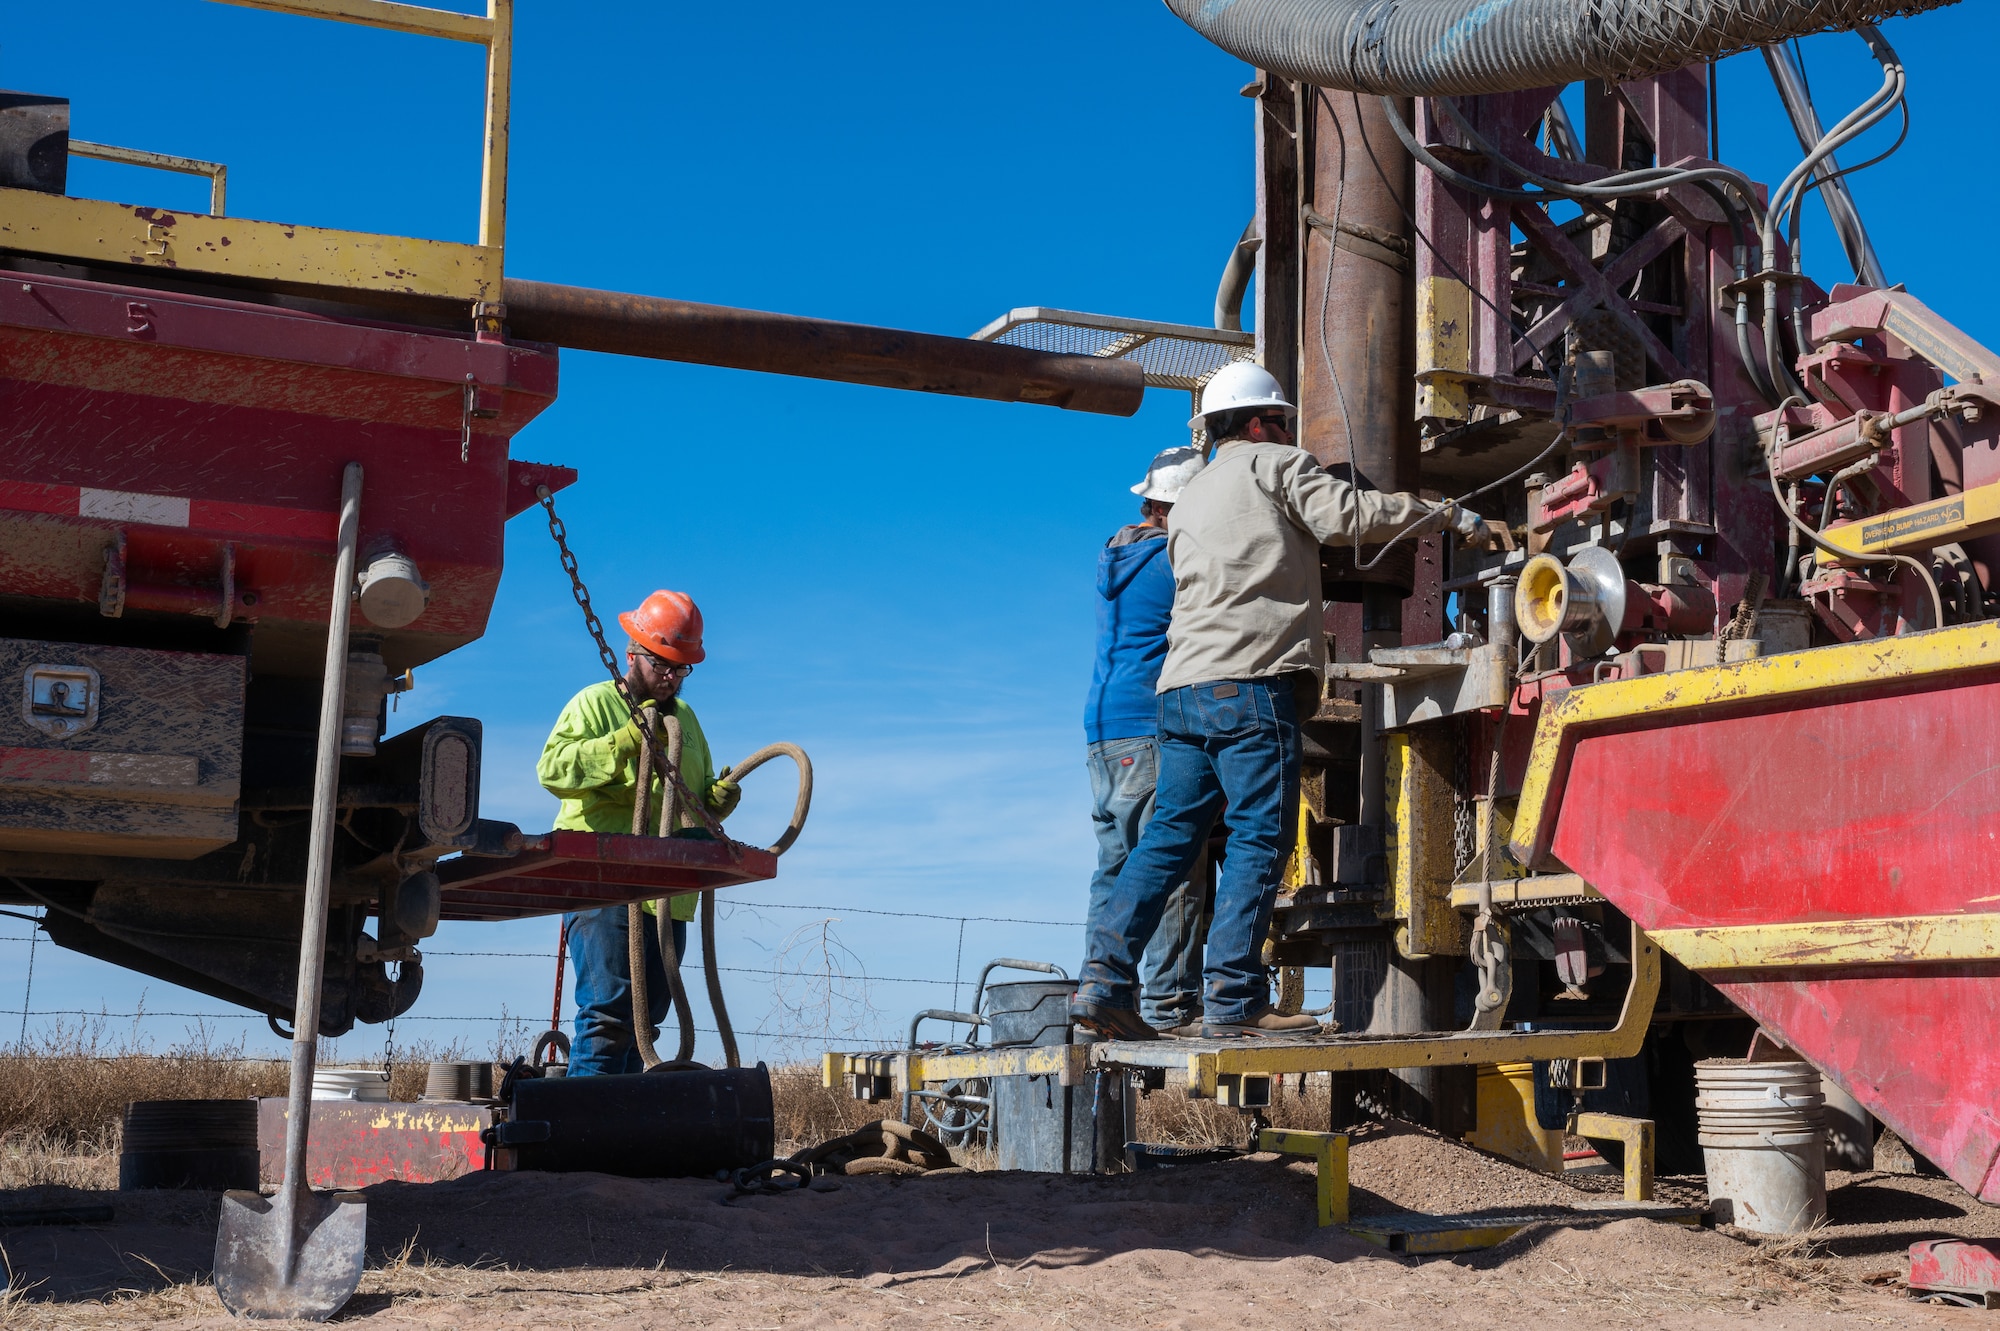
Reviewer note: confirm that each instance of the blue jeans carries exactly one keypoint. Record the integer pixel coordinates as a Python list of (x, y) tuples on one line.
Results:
[(1123, 773), (598, 951), (1233, 742)]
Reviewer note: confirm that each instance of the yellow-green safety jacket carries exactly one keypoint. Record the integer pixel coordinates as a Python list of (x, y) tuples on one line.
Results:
[(582, 767)]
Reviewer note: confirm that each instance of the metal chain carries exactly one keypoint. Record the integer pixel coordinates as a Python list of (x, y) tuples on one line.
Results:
[(661, 766), (389, 1038), (465, 419)]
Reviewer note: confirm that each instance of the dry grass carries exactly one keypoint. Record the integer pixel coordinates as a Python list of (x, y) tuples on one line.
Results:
[(61, 1100), (62, 1096), (809, 1113), (1169, 1116)]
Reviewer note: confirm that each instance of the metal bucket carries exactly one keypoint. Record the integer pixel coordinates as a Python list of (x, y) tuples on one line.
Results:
[(1029, 1011), (1038, 1123), (689, 1124), (207, 1144), (1763, 1142)]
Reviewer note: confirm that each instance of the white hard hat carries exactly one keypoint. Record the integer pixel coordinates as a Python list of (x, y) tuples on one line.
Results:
[(1242, 383), (1172, 469)]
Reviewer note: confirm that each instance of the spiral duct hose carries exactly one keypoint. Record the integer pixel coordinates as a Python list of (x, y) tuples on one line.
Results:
[(1432, 48)]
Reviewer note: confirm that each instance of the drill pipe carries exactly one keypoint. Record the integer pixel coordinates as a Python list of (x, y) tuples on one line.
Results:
[(680, 330)]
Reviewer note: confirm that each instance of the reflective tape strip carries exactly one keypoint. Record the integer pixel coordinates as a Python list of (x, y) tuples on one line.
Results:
[(127, 506), (221, 516), (72, 767)]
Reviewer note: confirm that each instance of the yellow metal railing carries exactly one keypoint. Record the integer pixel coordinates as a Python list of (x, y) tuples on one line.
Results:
[(217, 173), (495, 32), (283, 254)]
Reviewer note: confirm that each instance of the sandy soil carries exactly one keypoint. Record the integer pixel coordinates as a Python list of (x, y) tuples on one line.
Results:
[(1198, 1247)]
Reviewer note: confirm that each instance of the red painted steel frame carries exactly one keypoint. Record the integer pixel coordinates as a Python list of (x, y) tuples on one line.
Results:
[(1846, 805), (229, 422), (563, 871)]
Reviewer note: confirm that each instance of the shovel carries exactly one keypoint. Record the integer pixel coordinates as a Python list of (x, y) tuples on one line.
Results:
[(299, 1254)]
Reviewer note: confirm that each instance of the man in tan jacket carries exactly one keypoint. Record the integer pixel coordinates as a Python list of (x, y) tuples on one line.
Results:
[(1246, 648)]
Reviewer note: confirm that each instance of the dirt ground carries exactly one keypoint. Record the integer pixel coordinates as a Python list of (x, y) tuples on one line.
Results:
[(1199, 1246)]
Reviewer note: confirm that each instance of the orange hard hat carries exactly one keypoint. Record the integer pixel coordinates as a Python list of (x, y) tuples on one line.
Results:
[(667, 624)]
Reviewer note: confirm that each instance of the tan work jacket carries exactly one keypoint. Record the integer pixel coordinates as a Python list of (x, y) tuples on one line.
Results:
[(1244, 539)]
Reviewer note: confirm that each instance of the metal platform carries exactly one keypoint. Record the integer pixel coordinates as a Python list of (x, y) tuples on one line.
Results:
[(566, 871), (1237, 1072), (1172, 355)]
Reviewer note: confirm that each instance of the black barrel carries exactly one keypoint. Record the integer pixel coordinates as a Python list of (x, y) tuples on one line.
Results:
[(689, 1124), (1038, 1123), (208, 1144)]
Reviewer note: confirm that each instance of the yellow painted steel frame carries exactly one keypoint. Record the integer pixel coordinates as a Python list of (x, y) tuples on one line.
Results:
[(217, 173), (913, 1067), (1958, 517), (1207, 1062), (1329, 1151), (98, 231), (1684, 695), (1636, 1134), (1896, 940)]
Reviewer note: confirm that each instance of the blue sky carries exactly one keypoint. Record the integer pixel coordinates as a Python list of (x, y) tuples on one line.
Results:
[(901, 583)]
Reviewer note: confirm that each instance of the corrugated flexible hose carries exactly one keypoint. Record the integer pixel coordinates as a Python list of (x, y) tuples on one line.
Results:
[(1433, 48), (635, 919)]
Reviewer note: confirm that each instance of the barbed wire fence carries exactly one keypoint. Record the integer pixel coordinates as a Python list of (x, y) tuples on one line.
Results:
[(820, 985)]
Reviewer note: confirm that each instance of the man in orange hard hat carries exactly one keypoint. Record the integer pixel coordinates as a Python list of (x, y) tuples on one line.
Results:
[(591, 764)]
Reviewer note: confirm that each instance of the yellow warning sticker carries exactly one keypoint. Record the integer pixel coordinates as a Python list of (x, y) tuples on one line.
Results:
[(1911, 521)]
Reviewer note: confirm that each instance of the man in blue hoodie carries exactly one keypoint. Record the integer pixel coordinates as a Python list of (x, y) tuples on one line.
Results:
[(1135, 584)]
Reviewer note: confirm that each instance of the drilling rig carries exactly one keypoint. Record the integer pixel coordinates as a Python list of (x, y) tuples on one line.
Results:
[(1704, 753), (1726, 696)]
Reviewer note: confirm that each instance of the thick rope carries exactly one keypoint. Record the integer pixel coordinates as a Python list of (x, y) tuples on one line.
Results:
[(635, 915)]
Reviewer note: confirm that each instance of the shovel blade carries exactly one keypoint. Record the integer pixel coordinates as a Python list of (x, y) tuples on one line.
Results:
[(251, 1271)]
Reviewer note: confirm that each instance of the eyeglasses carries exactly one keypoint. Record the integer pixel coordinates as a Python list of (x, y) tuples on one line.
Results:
[(661, 664)]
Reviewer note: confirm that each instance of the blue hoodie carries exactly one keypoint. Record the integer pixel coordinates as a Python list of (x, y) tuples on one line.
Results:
[(1136, 586)]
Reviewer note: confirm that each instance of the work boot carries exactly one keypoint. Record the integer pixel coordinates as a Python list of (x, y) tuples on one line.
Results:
[(1263, 1024), (1110, 1023)]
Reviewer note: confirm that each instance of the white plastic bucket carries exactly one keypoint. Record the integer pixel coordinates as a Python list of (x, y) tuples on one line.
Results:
[(1763, 1142), (349, 1084)]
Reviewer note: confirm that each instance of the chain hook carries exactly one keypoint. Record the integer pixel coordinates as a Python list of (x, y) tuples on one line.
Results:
[(661, 767)]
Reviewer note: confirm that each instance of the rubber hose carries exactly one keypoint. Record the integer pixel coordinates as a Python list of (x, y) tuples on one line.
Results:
[(711, 973), (669, 954), (711, 966), (1431, 48), (662, 909), (800, 806), (635, 915)]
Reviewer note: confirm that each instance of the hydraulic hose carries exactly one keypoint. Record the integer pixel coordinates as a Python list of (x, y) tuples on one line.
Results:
[(642, 825), (1430, 48)]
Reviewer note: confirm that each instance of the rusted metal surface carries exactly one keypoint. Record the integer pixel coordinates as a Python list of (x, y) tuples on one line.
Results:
[(118, 750), (249, 413), (1276, 110), (1847, 783), (355, 1143), (562, 871), (1355, 345), (680, 330)]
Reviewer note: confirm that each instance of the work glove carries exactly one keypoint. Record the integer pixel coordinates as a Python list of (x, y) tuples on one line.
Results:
[(1477, 532), (626, 743), (724, 795)]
